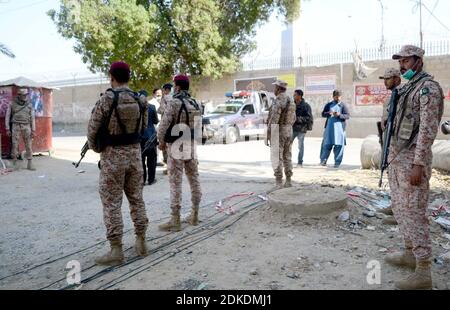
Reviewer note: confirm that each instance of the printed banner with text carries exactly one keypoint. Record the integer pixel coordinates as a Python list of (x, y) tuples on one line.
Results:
[(374, 94)]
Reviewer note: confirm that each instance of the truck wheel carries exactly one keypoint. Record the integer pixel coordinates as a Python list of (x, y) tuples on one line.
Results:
[(232, 135)]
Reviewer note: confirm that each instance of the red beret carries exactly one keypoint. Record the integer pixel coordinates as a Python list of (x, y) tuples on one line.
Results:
[(119, 65), (181, 77)]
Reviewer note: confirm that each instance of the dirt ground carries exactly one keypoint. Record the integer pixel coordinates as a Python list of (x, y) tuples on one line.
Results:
[(53, 215)]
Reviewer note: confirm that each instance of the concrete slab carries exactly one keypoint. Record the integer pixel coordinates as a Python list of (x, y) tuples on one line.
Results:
[(308, 200)]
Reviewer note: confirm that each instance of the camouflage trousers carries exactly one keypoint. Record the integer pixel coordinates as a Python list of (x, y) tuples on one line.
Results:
[(25, 131), (121, 171), (281, 156), (175, 169), (409, 203)]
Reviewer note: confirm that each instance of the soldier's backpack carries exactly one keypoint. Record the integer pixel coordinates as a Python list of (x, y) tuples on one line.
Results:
[(104, 138), (169, 137)]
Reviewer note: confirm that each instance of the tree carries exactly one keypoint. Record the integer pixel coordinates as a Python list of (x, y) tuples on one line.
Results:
[(160, 37), (6, 51)]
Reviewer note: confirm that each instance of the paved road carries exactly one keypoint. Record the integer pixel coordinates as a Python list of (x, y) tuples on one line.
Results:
[(251, 153)]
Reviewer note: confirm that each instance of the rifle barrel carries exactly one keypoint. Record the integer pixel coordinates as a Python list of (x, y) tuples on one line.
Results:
[(388, 133)]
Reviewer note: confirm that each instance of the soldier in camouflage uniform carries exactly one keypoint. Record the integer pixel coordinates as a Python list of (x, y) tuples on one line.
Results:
[(20, 116), (182, 152), (166, 97), (416, 124), (279, 132), (120, 158), (391, 80)]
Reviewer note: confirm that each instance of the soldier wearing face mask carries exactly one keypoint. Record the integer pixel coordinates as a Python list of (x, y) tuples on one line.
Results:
[(416, 124)]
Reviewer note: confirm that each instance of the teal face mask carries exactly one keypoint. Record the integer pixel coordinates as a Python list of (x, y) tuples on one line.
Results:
[(408, 75)]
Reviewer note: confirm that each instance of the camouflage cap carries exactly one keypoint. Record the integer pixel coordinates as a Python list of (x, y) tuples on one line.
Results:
[(280, 83), (390, 73), (22, 91), (409, 51)]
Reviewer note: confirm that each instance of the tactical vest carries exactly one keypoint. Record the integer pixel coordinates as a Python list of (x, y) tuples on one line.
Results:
[(189, 113), (21, 114), (407, 121), (124, 124)]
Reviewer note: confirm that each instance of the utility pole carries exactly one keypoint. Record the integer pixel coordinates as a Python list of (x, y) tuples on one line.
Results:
[(383, 42), (421, 32)]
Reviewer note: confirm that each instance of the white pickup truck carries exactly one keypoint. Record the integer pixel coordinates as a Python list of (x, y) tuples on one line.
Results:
[(243, 114)]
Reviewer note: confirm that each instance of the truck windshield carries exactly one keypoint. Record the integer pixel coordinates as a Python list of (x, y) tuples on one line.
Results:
[(228, 108)]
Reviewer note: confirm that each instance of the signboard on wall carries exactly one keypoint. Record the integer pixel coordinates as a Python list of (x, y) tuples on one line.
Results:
[(255, 84), (289, 78), (371, 94), (320, 84)]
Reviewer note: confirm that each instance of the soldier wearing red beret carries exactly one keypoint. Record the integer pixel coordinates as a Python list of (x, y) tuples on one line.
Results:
[(180, 112), (114, 131)]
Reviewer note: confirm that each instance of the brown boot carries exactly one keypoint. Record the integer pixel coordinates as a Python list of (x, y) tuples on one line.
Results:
[(387, 211), (193, 217), (278, 185), (288, 182), (390, 220), (419, 280), (140, 245), (174, 224), (114, 257), (30, 165), (402, 259)]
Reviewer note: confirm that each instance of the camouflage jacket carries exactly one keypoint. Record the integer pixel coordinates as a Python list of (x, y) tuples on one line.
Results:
[(19, 112), (162, 106), (282, 113), (419, 113)]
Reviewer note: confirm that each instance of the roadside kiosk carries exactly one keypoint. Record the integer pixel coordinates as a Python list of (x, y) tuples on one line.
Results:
[(42, 100)]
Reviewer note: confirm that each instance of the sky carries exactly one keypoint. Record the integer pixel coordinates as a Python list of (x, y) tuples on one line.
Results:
[(324, 26)]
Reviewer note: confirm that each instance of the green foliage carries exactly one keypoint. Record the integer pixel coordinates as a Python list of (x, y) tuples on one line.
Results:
[(159, 37)]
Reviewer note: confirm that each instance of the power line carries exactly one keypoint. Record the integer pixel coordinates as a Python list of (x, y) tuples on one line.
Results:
[(437, 19), (23, 7), (421, 4), (383, 41), (434, 8)]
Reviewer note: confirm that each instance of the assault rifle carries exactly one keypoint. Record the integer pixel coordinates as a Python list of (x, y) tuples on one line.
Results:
[(86, 145), (388, 133), (83, 153)]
